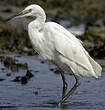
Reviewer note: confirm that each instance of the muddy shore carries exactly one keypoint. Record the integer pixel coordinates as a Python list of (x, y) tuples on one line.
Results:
[(14, 36)]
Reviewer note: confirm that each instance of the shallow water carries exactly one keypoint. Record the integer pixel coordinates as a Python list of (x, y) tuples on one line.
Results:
[(42, 91)]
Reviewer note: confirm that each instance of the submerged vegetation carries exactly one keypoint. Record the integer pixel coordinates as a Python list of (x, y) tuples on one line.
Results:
[(14, 68)]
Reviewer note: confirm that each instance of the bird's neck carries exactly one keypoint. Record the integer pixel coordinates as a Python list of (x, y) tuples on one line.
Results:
[(39, 22)]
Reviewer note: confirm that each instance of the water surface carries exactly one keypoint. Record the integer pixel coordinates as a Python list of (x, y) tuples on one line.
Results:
[(44, 89)]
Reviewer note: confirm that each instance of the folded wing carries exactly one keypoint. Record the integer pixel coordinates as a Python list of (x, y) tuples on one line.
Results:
[(67, 45)]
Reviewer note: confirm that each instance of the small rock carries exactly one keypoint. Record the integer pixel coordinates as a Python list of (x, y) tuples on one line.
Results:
[(35, 92), (17, 79), (8, 74), (23, 80), (1, 79), (29, 74)]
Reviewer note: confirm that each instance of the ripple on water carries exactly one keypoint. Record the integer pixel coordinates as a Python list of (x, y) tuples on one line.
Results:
[(44, 88)]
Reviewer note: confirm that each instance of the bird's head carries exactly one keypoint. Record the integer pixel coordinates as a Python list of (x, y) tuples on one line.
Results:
[(31, 10)]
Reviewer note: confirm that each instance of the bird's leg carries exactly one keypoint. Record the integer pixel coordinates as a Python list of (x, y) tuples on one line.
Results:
[(64, 85), (72, 90)]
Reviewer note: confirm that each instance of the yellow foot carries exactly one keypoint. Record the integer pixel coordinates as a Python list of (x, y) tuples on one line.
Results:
[(60, 104)]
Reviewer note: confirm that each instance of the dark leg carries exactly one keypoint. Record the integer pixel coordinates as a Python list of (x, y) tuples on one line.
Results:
[(72, 90), (64, 85)]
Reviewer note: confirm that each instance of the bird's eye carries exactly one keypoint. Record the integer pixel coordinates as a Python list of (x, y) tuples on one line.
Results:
[(30, 10)]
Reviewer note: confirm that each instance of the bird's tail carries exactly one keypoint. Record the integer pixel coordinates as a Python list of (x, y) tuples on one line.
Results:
[(96, 67)]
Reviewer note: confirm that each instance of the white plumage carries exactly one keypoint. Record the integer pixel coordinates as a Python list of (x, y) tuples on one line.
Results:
[(59, 45), (54, 42)]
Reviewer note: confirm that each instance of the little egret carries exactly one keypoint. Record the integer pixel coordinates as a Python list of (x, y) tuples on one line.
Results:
[(58, 45)]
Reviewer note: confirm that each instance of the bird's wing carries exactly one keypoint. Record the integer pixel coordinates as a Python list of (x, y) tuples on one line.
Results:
[(71, 50), (68, 45), (62, 30)]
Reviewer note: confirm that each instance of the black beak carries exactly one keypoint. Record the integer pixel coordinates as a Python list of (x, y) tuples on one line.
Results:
[(14, 16), (17, 15)]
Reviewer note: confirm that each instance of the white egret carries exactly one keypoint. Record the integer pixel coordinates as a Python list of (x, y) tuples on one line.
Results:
[(58, 45)]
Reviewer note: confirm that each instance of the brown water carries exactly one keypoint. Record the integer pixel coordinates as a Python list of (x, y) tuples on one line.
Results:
[(44, 89)]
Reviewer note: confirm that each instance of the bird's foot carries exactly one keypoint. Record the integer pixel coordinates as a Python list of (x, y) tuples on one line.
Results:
[(62, 104), (59, 104)]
